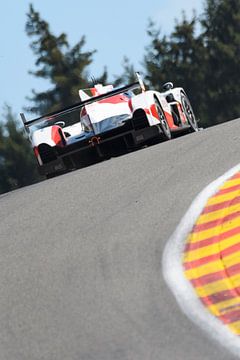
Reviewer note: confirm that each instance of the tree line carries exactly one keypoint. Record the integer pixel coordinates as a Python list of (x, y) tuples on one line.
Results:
[(201, 54)]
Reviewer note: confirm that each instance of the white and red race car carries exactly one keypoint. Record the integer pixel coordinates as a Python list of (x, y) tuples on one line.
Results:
[(104, 122)]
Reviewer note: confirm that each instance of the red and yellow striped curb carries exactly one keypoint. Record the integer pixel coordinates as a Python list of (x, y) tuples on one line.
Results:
[(212, 254)]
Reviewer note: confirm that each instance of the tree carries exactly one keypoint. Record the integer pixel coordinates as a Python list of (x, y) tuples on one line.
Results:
[(221, 33), (204, 62), (179, 58), (129, 73), (17, 164), (63, 66), (4, 181)]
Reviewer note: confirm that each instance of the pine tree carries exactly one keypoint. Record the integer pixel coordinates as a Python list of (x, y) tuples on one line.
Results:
[(129, 73), (206, 62), (4, 181), (18, 166), (179, 58), (63, 66), (221, 32)]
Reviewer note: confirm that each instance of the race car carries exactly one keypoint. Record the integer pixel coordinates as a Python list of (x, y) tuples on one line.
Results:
[(106, 121)]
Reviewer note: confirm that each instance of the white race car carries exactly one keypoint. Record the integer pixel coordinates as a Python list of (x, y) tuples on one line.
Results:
[(105, 122)]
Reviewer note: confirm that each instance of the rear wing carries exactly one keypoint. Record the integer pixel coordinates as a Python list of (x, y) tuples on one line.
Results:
[(54, 115)]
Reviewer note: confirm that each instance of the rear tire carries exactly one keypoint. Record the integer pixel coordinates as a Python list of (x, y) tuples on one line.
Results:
[(188, 111), (165, 129)]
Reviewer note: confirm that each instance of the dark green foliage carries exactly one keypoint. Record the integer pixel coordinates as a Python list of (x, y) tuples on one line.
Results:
[(63, 66), (4, 181), (201, 55), (128, 76), (18, 166), (179, 58), (221, 32)]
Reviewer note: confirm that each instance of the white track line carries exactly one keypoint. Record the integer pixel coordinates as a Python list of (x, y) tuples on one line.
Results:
[(173, 271)]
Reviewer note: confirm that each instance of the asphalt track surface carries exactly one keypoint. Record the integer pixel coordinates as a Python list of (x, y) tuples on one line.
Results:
[(80, 256)]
